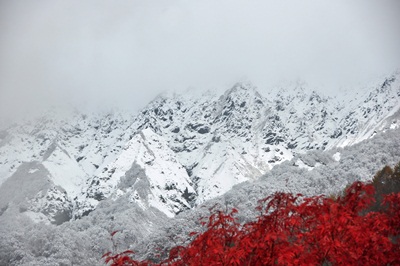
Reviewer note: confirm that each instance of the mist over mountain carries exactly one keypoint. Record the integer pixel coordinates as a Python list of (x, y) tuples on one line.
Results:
[(183, 149), (73, 173)]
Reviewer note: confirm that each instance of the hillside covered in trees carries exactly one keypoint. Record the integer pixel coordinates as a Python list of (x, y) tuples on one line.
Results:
[(358, 227)]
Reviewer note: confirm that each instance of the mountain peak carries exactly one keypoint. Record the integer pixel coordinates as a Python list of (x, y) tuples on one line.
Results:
[(182, 149), (244, 85), (242, 91)]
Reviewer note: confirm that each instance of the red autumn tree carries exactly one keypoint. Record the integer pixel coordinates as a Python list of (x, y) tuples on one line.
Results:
[(296, 230)]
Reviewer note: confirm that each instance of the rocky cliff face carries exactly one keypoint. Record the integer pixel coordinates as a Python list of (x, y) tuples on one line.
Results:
[(181, 149)]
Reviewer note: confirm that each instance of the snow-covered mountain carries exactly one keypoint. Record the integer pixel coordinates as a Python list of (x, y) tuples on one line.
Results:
[(181, 149)]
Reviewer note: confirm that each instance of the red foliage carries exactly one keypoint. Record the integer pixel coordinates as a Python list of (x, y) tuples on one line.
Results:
[(296, 230)]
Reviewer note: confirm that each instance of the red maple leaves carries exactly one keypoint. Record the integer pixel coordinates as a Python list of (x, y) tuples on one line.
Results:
[(296, 230)]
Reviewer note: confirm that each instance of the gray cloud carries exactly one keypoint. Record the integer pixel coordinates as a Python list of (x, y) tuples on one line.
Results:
[(125, 52)]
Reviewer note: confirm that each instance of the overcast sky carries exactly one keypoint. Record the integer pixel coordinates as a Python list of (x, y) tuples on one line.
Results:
[(126, 52)]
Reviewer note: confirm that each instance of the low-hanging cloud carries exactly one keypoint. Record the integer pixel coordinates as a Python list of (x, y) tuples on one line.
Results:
[(125, 52)]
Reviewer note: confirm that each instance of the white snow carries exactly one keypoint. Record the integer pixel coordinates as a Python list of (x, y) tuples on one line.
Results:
[(336, 156), (394, 125), (221, 140), (31, 171), (301, 164), (37, 217), (60, 165)]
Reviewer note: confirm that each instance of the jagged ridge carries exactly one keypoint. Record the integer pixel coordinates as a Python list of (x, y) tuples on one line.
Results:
[(182, 150)]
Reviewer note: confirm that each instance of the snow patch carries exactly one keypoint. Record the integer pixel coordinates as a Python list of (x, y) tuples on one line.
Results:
[(394, 125), (37, 217), (301, 164), (31, 171), (336, 156)]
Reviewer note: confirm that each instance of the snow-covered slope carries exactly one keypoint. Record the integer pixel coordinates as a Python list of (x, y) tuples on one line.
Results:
[(184, 149), (148, 170)]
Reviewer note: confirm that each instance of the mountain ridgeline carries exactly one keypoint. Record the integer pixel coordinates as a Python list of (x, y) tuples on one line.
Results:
[(180, 150)]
